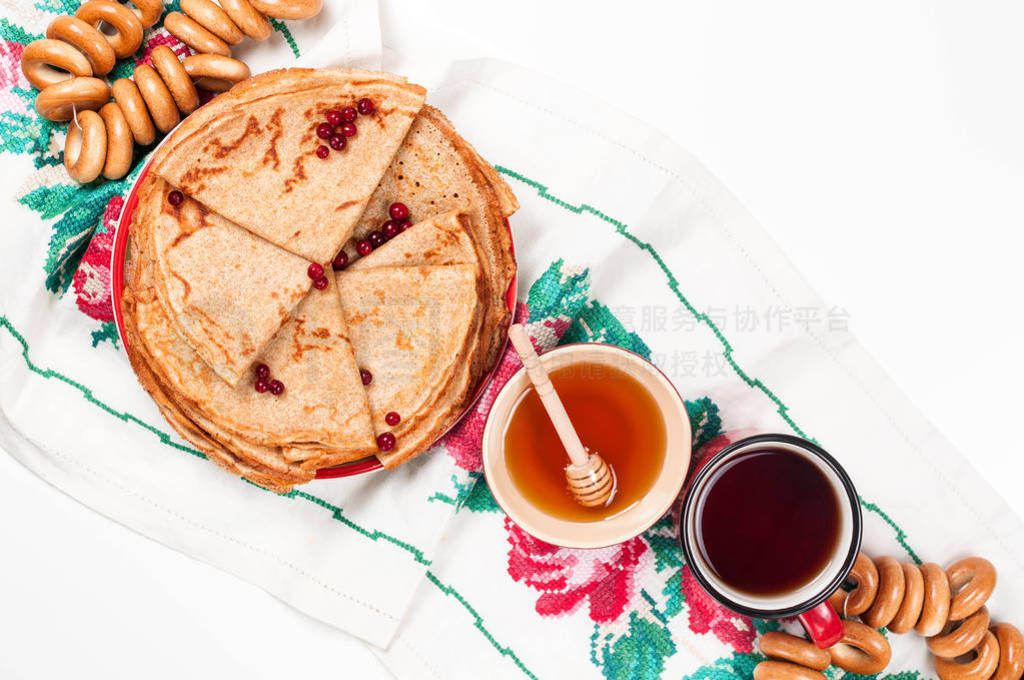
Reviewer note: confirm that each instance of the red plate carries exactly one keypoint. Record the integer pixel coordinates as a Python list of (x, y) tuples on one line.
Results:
[(117, 262)]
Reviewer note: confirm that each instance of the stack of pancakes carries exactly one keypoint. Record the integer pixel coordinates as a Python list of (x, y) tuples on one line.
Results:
[(233, 211)]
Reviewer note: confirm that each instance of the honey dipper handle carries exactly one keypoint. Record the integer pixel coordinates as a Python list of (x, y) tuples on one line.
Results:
[(548, 396)]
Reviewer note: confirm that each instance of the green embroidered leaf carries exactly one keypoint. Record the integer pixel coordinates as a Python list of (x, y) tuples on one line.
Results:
[(472, 495), (727, 668), (667, 553), (52, 201), (639, 654), (557, 293), (108, 331), (480, 498), (596, 323), (704, 420), (673, 592), (15, 33), (25, 134), (71, 233), (58, 6)]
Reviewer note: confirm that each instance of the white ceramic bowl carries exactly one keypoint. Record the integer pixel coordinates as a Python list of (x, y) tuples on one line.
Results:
[(627, 524)]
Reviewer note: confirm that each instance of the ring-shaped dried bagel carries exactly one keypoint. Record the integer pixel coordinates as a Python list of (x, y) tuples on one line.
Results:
[(87, 39), (214, 19), (971, 580), (194, 35), (783, 670), (1011, 652), (127, 35), (985, 659), (249, 21), (862, 650), (60, 100), (214, 72), (148, 11), (935, 609), (961, 637), (47, 61), (857, 601), (120, 143), (85, 147), (176, 78), (288, 9), (891, 588), (158, 98), (786, 647), (909, 612), (133, 106)]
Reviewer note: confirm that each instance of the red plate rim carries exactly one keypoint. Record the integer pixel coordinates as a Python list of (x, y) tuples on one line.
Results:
[(357, 467)]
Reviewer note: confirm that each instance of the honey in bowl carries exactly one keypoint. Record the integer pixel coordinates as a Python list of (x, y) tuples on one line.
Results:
[(614, 416)]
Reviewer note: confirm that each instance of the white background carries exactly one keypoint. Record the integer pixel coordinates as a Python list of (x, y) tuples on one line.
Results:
[(881, 143)]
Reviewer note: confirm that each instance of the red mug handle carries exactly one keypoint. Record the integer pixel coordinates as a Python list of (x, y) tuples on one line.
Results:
[(823, 625)]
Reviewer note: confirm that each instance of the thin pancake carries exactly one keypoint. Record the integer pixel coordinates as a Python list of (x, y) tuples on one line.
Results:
[(251, 156), (171, 411), (323, 402), (435, 171), (441, 240), (227, 290), (411, 327)]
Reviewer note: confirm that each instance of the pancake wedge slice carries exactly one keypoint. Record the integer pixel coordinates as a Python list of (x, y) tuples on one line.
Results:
[(441, 240), (411, 328), (323, 401), (227, 291), (255, 159)]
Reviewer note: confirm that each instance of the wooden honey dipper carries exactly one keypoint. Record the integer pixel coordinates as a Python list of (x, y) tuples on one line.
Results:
[(946, 606), (64, 66), (589, 478)]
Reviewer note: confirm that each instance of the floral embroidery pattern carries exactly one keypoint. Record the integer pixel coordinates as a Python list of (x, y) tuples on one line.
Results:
[(566, 578), (707, 616)]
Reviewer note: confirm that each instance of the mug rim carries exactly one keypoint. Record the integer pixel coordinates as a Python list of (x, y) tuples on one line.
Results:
[(833, 584)]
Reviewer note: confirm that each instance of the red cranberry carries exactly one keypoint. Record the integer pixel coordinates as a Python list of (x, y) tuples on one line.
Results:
[(276, 387), (365, 376), (402, 226), (261, 386), (392, 418), (348, 129), (320, 283), (340, 261), (365, 106), (262, 371), (385, 441), (337, 142), (322, 151), (390, 229), (315, 271), (175, 197), (364, 247), (376, 239), (398, 211), (334, 117), (349, 114), (324, 130)]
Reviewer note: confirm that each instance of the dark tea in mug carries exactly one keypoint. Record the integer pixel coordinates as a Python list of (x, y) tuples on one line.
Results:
[(768, 521), (770, 526)]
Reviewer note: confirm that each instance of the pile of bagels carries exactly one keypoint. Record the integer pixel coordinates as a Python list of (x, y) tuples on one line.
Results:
[(945, 606), (68, 64)]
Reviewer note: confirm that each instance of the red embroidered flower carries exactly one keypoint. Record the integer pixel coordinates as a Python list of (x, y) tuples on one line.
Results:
[(464, 440), (10, 65), (92, 280), (707, 616), (566, 578)]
